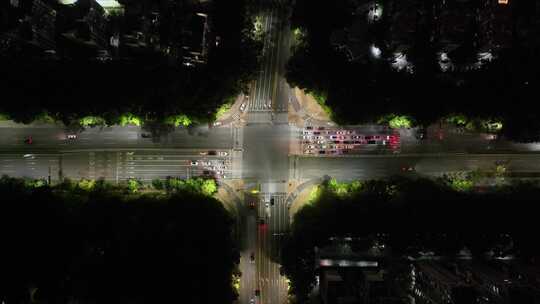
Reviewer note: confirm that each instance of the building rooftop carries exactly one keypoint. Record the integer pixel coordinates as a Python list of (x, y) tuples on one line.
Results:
[(439, 273)]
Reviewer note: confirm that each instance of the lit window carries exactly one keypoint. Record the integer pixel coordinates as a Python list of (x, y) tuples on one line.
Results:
[(503, 1)]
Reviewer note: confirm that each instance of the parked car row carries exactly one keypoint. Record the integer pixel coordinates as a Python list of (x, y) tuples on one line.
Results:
[(320, 140), (212, 167)]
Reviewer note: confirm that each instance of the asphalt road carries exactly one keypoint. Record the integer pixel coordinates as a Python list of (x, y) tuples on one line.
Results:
[(116, 153), (266, 138), (50, 137), (116, 165), (380, 166), (273, 286), (266, 152)]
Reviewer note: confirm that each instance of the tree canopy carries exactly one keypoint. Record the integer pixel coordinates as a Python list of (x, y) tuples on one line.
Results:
[(146, 86), (94, 245), (364, 89), (414, 215)]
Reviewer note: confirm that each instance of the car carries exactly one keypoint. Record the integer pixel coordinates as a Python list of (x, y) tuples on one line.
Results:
[(306, 137), (320, 128), (252, 257), (347, 142), (28, 140), (340, 132), (103, 55), (267, 205), (194, 163), (337, 141), (203, 153), (320, 142), (146, 135), (309, 128), (322, 152), (223, 153), (71, 136), (316, 133), (29, 156), (368, 137), (252, 301), (332, 152), (333, 137), (357, 142), (491, 136), (243, 107), (407, 168), (261, 222), (257, 292), (308, 151), (217, 123), (371, 142), (345, 151), (311, 147)]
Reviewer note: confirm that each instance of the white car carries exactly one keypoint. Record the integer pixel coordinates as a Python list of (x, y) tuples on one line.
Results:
[(243, 107), (194, 163), (223, 153), (217, 123), (71, 136)]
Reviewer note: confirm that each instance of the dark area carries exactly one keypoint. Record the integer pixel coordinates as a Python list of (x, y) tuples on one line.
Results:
[(413, 216), (363, 89), (89, 78), (66, 245)]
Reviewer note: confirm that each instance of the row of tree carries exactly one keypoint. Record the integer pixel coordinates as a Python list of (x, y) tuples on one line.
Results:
[(415, 216), (147, 86), (74, 244), (364, 90)]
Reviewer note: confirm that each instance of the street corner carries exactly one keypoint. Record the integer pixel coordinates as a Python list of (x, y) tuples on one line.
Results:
[(228, 200), (300, 197), (291, 187)]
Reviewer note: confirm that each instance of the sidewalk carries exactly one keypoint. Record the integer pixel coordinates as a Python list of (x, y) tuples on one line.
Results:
[(233, 114), (304, 108), (11, 124)]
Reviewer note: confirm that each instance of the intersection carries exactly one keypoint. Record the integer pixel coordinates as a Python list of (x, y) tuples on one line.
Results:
[(262, 148)]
